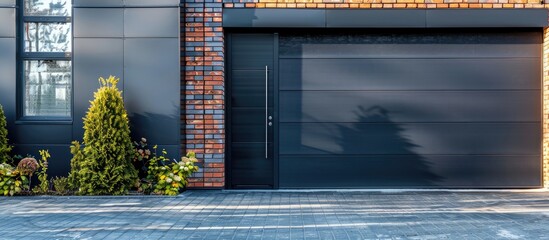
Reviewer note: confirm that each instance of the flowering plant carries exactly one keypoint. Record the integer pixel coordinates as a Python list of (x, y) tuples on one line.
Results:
[(165, 176), (174, 176), (142, 153)]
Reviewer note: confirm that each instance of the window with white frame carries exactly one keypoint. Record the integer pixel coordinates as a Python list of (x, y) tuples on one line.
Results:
[(46, 59)]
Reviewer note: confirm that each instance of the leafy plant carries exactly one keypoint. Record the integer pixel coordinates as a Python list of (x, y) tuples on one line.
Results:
[(44, 185), (78, 157), (5, 148), (11, 180), (174, 176), (61, 185), (142, 152), (165, 176), (153, 167), (104, 165), (142, 156)]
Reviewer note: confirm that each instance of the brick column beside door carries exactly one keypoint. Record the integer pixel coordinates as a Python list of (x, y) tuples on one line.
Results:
[(203, 90)]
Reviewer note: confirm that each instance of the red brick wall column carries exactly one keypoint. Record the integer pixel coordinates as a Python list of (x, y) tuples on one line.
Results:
[(203, 91)]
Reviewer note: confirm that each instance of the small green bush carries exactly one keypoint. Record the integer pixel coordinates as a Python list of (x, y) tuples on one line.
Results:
[(11, 180), (43, 185), (173, 176), (61, 185), (5, 148), (104, 166), (77, 158), (165, 176)]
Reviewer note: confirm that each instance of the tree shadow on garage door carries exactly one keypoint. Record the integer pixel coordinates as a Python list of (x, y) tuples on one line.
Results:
[(381, 154)]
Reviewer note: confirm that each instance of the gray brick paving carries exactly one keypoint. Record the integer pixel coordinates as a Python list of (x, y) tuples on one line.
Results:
[(280, 215)]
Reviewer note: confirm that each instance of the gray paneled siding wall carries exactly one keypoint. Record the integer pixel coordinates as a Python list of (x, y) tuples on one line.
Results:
[(138, 41), (8, 59), (8, 62), (135, 40)]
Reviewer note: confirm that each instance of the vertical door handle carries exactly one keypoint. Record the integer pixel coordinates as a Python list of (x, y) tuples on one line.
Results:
[(266, 111)]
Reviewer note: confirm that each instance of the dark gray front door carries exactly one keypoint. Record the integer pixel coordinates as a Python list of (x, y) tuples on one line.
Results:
[(426, 109), (250, 146)]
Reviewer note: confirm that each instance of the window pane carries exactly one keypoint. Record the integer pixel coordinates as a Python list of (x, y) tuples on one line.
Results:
[(47, 37), (48, 7), (47, 90)]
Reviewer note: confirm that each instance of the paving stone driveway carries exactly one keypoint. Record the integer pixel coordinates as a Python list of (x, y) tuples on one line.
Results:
[(280, 215)]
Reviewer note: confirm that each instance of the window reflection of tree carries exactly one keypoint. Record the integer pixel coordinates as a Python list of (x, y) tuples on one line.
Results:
[(47, 37), (48, 87), (47, 81), (47, 7)]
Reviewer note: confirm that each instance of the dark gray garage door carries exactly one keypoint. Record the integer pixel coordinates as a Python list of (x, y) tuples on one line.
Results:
[(410, 109)]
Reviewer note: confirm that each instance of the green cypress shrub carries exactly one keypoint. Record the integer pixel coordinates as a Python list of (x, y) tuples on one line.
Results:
[(77, 158), (104, 166), (5, 148)]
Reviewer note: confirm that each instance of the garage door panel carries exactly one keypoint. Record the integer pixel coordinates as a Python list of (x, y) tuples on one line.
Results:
[(409, 74), (416, 36), (488, 171), (409, 138), (417, 44), (410, 106), (409, 171), (335, 50)]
